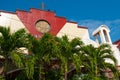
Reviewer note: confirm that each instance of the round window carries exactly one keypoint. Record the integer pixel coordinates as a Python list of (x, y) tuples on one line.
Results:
[(42, 26)]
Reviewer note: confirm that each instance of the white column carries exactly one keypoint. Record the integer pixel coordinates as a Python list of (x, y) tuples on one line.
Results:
[(102, 36), (108, 37), (96, 38)]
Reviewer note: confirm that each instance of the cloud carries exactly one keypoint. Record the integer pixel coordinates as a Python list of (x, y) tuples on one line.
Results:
[(114, 26)]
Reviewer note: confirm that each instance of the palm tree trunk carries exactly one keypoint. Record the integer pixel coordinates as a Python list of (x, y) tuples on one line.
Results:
[(41, 72), (66, 72), (6, 65), (96, 69)]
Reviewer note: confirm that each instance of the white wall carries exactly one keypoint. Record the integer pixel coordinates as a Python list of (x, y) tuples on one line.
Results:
[(72, 31), (11, 20)]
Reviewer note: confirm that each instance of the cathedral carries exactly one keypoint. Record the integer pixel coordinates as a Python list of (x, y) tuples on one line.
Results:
[(37, 22)]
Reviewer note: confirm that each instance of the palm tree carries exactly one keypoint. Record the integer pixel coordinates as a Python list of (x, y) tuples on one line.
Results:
[(49, 47), (25, 63), (10, 43), (45, 50), (69, 50), (95, 60)]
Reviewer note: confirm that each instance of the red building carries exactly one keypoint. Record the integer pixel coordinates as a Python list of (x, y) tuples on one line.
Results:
[(117, 43)]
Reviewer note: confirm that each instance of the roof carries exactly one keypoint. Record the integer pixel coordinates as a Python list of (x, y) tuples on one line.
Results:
[(117, 42), (77, 23), (82, 27), (7, 12)]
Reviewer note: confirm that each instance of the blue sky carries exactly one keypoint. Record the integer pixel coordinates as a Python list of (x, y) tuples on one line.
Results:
[(89, 13)]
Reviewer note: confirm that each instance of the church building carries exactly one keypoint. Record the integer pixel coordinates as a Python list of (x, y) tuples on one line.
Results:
[(37, 22)]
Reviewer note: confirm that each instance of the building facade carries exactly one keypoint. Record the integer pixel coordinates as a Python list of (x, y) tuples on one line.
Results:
[(37, 22), (31, 21)]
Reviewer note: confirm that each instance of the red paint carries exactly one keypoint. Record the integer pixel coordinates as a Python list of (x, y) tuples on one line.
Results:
[(30, 18), (118, 43)]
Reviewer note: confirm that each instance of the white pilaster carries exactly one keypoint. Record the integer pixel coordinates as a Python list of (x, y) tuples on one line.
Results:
[(108, 37), (102, 36), (96, 38)]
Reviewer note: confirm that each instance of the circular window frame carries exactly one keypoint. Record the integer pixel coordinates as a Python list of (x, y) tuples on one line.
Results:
[(43, 29)]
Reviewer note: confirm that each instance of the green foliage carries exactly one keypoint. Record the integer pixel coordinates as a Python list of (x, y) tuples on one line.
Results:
[(77, 61), (87, 77), (10, 41), (2, 78), (95, 60), (29, 66), (17, 59), (49, 48), (25, 62), (45, 50), (52, 75), (69, 50)]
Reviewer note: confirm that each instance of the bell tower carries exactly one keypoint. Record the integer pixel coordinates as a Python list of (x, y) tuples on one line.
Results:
[(102, 35)]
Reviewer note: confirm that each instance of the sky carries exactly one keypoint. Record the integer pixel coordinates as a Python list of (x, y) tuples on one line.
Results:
[(88, 13)]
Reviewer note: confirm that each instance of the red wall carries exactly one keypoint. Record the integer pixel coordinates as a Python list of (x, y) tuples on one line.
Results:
[(30, 18), (118, 43)]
